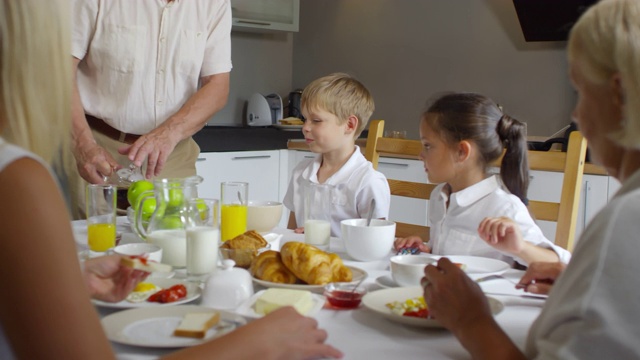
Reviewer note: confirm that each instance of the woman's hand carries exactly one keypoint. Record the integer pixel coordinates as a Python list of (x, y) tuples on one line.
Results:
[(411, 242), (452, 297), (283, 334), (108, 281), (540, 277), (502, 233)]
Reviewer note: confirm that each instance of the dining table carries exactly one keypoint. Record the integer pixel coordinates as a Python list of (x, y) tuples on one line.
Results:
[(362, 333)]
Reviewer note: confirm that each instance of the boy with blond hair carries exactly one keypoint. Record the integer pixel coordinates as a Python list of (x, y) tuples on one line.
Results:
[(337, 108)]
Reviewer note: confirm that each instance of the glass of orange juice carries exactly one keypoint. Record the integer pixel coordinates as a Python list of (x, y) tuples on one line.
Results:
[(233, 209), (101, 217)]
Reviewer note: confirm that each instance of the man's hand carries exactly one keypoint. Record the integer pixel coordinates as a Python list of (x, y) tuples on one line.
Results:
[(155, 147), (94, 163)]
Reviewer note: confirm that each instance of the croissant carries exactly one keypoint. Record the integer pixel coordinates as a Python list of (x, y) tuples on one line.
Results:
[(249, 240), (308, 263), (268, 266), (340, 272)]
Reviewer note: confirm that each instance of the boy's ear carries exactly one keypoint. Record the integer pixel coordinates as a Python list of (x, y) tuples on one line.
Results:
[(464, 150), (352, 123)]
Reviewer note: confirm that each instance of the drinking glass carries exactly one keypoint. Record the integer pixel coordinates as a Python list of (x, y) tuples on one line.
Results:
[(233, 198), (203, 238), (101, 217), (317, 215)]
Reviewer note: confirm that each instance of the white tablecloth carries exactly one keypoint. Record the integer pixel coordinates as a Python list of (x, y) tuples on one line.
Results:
[(363, 334)]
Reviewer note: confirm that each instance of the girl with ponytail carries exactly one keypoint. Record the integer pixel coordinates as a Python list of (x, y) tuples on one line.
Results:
[(471, 211)]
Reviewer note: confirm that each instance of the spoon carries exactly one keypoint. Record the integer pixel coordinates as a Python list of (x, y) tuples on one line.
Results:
[(357, 285), (372, 208), (240, 198)]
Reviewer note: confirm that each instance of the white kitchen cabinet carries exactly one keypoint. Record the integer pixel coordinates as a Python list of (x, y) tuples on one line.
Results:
[(404, 209), (265, 15), (261, 169), (547, 186)]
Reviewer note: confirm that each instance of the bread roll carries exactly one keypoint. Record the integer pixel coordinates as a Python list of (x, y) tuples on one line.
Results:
[(340, 272), (249, 240), (268, 266), (308, 263)]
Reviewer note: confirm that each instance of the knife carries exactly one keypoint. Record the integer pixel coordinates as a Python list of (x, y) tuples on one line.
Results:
[(523, 296)]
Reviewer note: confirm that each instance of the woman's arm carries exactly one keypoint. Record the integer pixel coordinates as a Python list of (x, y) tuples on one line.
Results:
[(47, 312)]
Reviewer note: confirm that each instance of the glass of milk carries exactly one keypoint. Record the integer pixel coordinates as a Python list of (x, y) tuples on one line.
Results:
[(203, 238), (317, 215)]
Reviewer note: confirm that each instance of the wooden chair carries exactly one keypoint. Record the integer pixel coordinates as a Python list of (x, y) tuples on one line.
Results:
[(564, 212), (376, 145)]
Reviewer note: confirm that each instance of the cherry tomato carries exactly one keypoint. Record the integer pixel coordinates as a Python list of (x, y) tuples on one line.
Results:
[(180, 289), (422, 313)]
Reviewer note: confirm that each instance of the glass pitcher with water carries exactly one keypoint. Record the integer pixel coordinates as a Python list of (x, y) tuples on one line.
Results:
[(167, 225)]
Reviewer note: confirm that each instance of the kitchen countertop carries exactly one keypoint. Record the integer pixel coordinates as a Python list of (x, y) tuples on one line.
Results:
[(225, 138)]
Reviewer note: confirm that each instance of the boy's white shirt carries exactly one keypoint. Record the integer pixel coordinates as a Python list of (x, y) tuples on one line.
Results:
[(355, 184), (454, 230)]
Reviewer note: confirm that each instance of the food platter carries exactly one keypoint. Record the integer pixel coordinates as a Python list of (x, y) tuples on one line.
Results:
[(247, 308), (376, 301), (358, 274), (153, 326), (193, 292)]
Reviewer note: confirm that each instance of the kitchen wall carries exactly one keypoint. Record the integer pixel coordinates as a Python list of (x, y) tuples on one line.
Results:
[(262, 62), (404, 51)]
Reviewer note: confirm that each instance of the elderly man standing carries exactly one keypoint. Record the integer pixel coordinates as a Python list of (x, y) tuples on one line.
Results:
[(149, 74)]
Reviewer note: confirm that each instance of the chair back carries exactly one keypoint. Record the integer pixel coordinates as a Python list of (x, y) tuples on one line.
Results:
[(564, 212)]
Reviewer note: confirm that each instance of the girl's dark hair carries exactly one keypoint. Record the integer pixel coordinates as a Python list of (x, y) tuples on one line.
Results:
[(474, 117)]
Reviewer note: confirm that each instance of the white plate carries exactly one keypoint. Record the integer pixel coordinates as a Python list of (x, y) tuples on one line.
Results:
[(476, 264), (154, 326), (193, 292), (377, 300), (358, 274), (386, 281), (247, 308), (287, 127)]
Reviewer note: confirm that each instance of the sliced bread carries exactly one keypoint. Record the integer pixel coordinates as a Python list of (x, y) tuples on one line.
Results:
[(195, 325)]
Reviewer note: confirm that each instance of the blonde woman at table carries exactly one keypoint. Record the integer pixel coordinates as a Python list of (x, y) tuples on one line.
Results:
[(461, 134), (45, 312), (592, 310)]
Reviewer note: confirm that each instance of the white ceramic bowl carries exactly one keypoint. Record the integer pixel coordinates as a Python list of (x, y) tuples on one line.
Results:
[(368, 243), (153, 252), (407, 270), (262, 216)]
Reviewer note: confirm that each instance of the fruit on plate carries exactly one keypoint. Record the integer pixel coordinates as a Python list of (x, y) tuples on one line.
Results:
[(174, 293)]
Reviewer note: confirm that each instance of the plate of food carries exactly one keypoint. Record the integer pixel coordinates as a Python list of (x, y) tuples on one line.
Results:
[(301, 266), (475, 264), (358, 274), (265, 301), (155, 292), (169, 327), (405, 305)]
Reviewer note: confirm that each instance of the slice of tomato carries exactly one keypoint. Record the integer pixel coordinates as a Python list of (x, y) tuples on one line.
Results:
[(422, 313), (180, 289)]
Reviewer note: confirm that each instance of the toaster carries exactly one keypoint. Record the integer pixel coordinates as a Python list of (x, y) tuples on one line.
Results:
[(264, 110)]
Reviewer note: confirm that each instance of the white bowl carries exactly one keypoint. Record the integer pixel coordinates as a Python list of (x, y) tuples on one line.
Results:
[(153, 252), (368, 243), (262, 216), (407, 270)]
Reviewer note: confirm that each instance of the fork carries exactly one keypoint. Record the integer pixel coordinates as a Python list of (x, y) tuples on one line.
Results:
[(494, 277)]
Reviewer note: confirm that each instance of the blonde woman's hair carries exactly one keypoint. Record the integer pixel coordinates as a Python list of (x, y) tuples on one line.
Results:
[(35, 76), (341, 95), (606, 41)]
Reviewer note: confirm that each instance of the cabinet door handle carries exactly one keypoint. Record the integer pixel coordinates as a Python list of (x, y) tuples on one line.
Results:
[(201, 159), (253, 23), (586, 203), (251, 157), (392, 164)]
